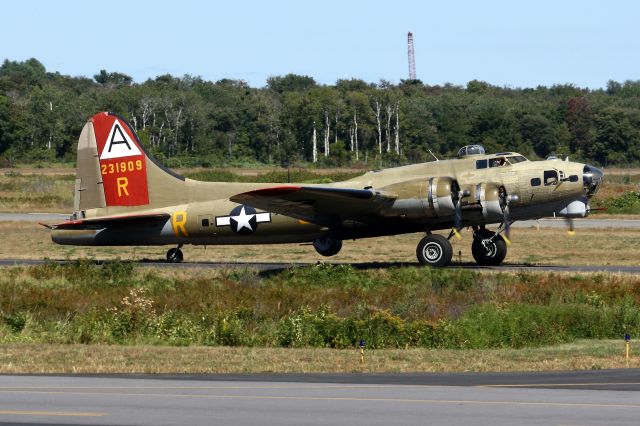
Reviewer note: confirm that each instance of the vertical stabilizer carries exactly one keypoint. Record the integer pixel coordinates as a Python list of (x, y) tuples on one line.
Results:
[(115, 174)]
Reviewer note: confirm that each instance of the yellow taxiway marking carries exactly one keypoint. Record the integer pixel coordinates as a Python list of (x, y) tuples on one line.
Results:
[(51, 413), (347, 399), (285, 387), (294, 386), (533, 385)]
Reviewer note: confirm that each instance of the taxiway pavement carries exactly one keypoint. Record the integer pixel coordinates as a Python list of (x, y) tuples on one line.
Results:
[(560, 398)]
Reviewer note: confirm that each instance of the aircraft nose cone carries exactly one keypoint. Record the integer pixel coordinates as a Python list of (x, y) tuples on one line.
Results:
[(591, 179)]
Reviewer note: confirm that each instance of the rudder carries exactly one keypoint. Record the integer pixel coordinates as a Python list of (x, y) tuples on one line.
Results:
[(123, 165)]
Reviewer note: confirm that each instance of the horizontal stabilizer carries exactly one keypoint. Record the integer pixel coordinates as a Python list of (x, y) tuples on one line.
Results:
[(103, 222)]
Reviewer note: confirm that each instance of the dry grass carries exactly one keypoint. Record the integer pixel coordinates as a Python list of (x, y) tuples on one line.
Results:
[(621, 171), (49, 358), (36, 192), (24, 240), (616, 189)]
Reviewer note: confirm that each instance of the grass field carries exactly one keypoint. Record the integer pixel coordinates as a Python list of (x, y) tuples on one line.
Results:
[(56, 358)]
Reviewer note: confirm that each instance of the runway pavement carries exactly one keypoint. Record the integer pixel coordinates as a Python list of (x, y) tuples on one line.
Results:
[(591, 223), (565, 398), (33, 217)]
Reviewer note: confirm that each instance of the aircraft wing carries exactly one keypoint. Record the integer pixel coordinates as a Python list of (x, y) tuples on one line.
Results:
[(321, 205), (102, 222)]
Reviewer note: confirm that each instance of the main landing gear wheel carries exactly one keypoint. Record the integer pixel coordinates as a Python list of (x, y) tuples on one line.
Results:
[(434, 250), (174, 255), (327, 246), (487, 251)]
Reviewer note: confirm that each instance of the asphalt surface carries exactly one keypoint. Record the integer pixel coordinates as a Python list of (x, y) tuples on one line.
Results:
[(33, 217), (590, 223), (564, 398)]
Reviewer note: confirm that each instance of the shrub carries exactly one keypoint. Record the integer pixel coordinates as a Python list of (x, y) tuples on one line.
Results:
[(627, 203), (318, 306)]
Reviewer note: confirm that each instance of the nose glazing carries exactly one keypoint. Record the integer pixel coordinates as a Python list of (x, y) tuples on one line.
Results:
[(591, 179)]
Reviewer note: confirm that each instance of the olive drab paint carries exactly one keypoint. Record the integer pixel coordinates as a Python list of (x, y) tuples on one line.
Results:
[(122, 162)]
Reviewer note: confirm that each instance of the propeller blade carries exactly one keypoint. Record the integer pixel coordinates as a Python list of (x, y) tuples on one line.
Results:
[(457, 217), (506, 217), (457, 220), (571, 232), (456, 197)]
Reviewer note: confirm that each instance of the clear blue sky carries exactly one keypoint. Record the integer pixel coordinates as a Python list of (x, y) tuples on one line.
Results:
[(512, 43)]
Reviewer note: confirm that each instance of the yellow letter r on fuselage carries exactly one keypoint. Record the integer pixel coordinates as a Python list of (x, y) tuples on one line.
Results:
[(178, 220)]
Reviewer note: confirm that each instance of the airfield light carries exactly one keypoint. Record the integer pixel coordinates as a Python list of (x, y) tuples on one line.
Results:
[(627, 339)]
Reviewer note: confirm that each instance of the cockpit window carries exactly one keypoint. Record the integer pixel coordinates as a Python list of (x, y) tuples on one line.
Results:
[(481, 164), (498, 162), (516, 159), (550, 177)]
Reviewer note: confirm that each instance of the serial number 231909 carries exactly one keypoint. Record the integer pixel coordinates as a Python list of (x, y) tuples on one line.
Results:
[(120, 167)]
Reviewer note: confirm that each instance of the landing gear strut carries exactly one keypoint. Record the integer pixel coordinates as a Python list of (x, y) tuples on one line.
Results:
[(174, 255), (488, 248), (434, 250)]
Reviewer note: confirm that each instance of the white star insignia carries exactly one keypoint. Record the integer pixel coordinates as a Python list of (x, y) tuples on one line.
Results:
[(243, 220)]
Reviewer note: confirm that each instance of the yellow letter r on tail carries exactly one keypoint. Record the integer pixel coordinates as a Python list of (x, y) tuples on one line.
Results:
[(122, 183)]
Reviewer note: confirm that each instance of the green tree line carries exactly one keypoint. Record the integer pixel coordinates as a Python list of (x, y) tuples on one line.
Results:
[(293, 119)]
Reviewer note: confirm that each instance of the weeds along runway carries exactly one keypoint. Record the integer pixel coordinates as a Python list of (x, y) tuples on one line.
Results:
[(275, 266), (582, 397)]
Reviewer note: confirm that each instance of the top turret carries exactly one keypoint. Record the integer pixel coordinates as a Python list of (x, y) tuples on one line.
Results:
[(469, 150)]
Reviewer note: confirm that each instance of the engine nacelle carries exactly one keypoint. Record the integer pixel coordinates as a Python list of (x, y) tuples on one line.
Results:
[(439, 195), (488, 194), (576, 208)]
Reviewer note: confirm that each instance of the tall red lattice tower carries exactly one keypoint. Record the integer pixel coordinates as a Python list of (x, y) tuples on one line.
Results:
[(412, 57)]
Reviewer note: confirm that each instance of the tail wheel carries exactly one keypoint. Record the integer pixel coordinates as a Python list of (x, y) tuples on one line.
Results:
[(174, 255), (487, 251), (434, 250), (327, 246)]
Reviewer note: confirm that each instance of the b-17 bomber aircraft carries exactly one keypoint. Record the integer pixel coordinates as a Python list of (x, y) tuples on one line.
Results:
[(123, 197)]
